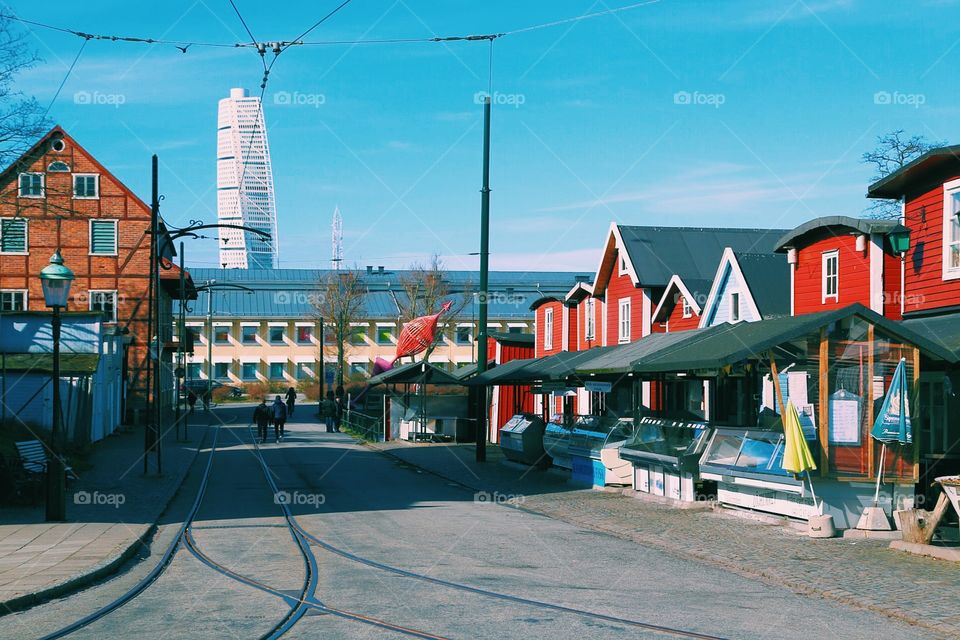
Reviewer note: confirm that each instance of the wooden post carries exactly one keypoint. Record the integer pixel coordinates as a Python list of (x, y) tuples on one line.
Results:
[(918, 525), (824, 386), (913, 411), (871, 444), (776, 386)]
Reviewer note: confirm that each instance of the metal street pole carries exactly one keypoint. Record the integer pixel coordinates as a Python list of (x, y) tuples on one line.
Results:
[(481, 451), (207, 398), (56, 478), (157, 363), (181, 334)]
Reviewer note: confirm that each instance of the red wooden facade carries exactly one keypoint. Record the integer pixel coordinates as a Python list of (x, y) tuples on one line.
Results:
[(508, 400), (926, 287), (853, 275)]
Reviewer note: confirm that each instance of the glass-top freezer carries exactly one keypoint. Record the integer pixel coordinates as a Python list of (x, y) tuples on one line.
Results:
[(592, 433), (556, 438), (745, 451), (674, 444)]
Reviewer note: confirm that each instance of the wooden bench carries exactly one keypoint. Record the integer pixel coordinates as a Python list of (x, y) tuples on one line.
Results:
[(33, 458)]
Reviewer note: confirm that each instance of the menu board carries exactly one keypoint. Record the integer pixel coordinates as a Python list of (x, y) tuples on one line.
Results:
[(844, 418)]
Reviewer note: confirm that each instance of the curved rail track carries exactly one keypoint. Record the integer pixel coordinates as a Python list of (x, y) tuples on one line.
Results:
[(307, 598)]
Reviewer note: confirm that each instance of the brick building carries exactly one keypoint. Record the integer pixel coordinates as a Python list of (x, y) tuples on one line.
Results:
[(57, 195)]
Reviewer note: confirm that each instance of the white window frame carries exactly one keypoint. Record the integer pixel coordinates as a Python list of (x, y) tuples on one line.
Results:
[(622, 264), (43, 184), (825, 259), (116, 301), (116, 236), (96, 186), (26, 238), (686, 309), (24, 292), (735, 300), (590, 319), (623, 320), (547, 329), (949, 218)]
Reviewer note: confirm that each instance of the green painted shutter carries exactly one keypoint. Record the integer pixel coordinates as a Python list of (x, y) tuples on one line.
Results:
[(13, 235), (103, 237)]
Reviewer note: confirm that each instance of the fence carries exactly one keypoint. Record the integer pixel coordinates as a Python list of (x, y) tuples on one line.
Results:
[(369, 428)]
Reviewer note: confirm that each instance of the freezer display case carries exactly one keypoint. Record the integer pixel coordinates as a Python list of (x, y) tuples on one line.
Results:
[(594, 449), (521, 439), (747, 466), (665, 455), (556, 438)]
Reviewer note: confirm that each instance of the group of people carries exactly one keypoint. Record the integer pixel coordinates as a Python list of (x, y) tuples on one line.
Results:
[(331, 410), (276, 414)]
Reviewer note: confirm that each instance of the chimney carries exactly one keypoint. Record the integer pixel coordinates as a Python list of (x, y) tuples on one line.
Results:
[(380, 269), (369, 269)]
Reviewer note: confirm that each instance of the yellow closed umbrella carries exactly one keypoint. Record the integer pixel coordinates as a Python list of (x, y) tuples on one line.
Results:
[(797, 457)]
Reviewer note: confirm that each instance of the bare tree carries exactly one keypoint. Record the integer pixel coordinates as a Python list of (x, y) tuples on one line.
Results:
[(425, 288), (338, 306), (22, 119), (893, 150)]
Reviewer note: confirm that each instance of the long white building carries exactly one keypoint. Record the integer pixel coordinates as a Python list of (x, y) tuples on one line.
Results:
[(245, 193)]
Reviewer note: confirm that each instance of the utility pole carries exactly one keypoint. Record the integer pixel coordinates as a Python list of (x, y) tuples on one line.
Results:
[(481, 415), (155, 331), (209, 395), (180, 371)]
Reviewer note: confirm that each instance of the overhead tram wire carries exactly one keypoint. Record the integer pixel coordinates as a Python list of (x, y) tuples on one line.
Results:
[(285, 44)]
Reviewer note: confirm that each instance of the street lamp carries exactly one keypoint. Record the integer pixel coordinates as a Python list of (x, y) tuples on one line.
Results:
[(55, 279)]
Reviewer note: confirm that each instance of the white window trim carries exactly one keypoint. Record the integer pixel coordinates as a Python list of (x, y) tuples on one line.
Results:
[(622, 269), (547, 329), (624, 320), (686, 309), (96, 182), (26, 297), (116, 301), (825, 257), (948, 272), (735, 314), (43, 184), (116, 236), (26, 238), (590, 319)]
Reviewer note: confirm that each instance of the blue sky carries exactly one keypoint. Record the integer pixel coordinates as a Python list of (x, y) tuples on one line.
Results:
[(681, 112)]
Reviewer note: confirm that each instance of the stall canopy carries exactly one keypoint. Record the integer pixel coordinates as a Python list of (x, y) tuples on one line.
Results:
[(733, 343), (414, 373), (943, 330), (620, 359), (558, 366)]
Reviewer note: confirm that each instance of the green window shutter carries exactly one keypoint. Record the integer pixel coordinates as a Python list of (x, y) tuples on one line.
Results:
[(13, 236), (103, 236)]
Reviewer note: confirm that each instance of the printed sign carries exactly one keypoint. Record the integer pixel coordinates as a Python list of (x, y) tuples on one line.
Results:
[(598, 387)]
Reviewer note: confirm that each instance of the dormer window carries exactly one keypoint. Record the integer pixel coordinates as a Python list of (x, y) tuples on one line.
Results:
[(735, 306), (31, 185), (58, 167), (687, 309)]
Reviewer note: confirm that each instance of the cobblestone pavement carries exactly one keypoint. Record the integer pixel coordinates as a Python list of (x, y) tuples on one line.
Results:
[(862, 573), (111, 510)]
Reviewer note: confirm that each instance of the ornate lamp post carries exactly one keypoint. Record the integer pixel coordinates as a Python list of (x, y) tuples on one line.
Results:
[(55, 279)]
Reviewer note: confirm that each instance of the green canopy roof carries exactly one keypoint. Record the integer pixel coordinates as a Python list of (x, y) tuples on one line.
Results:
[(70, 363), (620, 359), (557, 367), (414, 373)]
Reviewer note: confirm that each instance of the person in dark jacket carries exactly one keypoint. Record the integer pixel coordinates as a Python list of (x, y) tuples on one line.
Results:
[(338, 414), (291, 400), (328, 411), (279, 418), (261, 415)]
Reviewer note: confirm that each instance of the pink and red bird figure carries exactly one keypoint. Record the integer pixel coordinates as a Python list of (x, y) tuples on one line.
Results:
[(415, 337)]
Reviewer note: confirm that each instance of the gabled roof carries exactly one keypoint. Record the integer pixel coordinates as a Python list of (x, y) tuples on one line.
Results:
[(856, 225), (518, 339), (578, 292), (414, 373), (656, 254), (922, 170), (539, 302), (766, 277), (620, 359), (691, 290), (556, 367)]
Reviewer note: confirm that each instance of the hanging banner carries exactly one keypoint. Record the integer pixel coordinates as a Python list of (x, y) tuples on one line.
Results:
[(893, 422)]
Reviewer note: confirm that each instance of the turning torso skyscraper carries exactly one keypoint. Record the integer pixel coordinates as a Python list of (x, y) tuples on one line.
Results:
[(245, 184)]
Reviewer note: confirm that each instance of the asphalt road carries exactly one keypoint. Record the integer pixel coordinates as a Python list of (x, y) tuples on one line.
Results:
[(382, 511)]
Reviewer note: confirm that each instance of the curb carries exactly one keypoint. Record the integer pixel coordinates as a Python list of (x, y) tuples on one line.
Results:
[(106, 567)]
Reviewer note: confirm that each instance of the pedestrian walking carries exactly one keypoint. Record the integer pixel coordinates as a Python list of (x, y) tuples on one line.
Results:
[(261, 415), (191, 399), (328, 411), (279, 418), (291, 400), (338, 415)]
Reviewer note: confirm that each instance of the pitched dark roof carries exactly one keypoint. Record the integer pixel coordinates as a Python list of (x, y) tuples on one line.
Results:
[(924, 169), (862, 225), (414, 373), (768, 276), (943, 330), (519, 339), (659, 252), (556, 367)]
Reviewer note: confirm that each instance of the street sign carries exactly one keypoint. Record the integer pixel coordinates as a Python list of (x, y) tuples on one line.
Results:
[(598, 387)]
